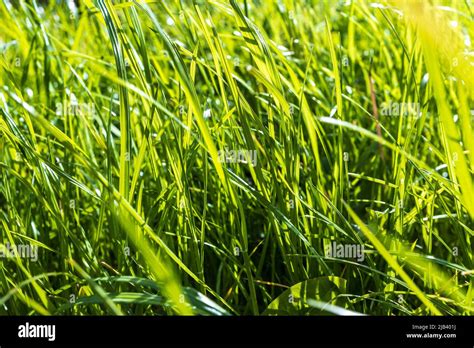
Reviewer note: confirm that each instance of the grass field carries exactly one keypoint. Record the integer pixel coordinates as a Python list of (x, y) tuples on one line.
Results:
[(240, 157)]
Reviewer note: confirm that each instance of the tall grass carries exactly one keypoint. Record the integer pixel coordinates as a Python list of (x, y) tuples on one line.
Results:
[(200, 157)]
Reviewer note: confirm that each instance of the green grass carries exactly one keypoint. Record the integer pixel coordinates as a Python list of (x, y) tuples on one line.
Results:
[(116, 117)]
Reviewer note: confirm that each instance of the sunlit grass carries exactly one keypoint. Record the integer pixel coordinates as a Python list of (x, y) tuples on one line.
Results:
[(126, 138)]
